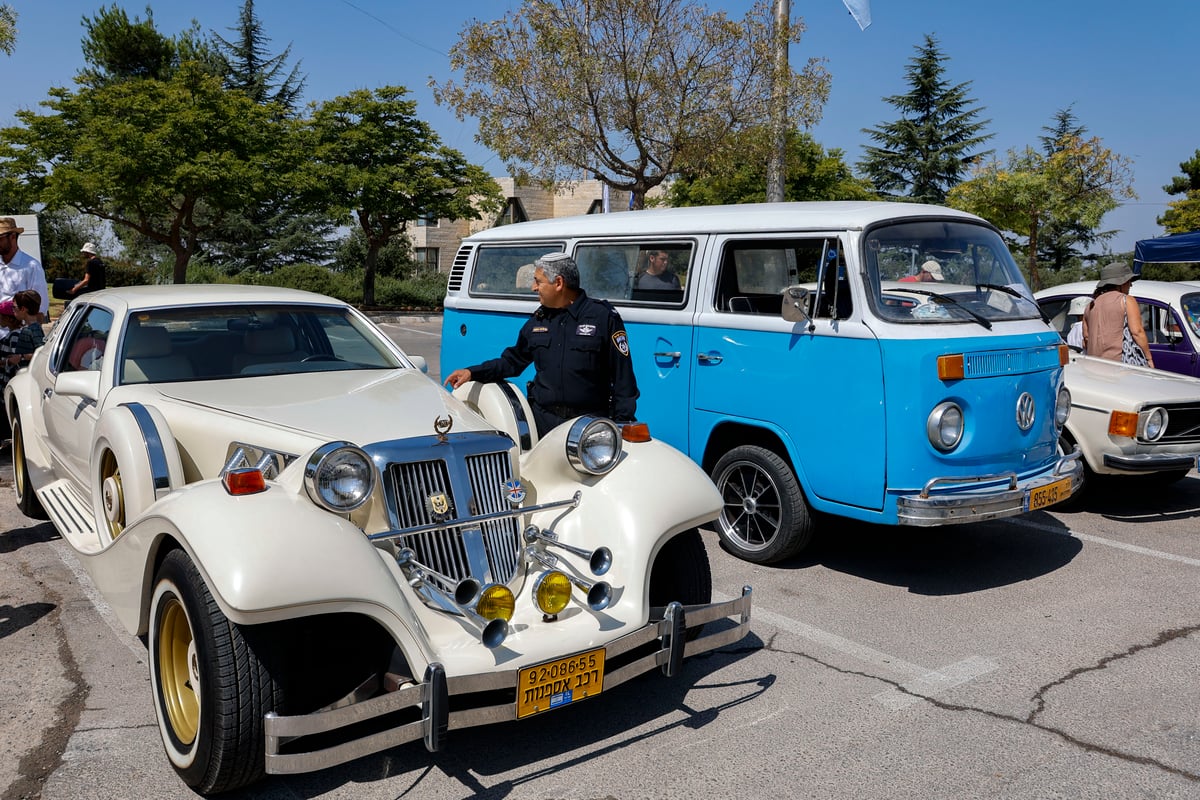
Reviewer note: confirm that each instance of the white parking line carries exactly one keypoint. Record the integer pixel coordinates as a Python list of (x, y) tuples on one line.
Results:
[(912, 677), (1087, 537)]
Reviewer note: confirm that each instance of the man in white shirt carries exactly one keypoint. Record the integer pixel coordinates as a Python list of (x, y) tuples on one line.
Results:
[(18, 269)]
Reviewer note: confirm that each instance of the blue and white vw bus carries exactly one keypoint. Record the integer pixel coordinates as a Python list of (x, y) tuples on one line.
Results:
[(879, 361)]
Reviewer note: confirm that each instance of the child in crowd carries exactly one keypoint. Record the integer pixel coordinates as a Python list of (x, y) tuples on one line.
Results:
[(29, 337)]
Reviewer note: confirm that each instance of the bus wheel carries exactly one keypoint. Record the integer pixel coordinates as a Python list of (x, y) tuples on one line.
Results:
[(764, 517)]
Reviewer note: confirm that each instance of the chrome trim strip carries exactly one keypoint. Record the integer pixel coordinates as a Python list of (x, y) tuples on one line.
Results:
[(160, 475), (510, 394), (1150, 462)]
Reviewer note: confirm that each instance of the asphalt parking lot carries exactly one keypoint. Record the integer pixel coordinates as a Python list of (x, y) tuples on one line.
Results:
[(1047, 656)]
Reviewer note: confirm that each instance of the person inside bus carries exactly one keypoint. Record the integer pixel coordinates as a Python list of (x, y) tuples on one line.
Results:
[(578, 346), (656, 275), (930, 271)]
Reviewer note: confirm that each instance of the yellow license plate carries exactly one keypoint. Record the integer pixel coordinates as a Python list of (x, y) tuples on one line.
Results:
[(1048, 495), (559, 682)]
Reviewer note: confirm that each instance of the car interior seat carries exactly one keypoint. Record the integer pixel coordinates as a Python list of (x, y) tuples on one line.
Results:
[(267, 346), (149, 357)]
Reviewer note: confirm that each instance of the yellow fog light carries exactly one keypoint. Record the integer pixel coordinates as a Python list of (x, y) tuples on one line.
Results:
[(552, 592), (496, 602)]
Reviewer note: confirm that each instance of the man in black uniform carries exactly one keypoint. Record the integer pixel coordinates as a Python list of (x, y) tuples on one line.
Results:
[(578, 346)]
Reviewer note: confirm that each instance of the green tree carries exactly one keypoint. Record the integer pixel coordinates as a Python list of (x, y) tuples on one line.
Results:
[(1062, 240), (370, 158), (930, 148), (1183, 215), (8, 29), (1078, 183), (275, 232), (169, 159), (631, 91), (812, 174), (117, 48)]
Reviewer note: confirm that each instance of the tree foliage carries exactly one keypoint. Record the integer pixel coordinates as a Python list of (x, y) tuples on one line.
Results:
[(8, 29), (934, 143), (168, 158), (372, 159), (117, 48), (1062, 240), (1076, 185), (1183, 215), (249, 67), (812, 173), (631, 91)]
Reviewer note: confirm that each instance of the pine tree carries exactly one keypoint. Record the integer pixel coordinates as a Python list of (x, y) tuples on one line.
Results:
[(928, 150), (1061, 240), (250, 68)]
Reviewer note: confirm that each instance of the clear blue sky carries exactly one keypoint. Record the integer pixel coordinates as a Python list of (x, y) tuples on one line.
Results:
[(1128, 68)]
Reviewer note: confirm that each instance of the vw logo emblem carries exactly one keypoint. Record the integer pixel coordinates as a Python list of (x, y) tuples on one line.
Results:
[(1025, 411)]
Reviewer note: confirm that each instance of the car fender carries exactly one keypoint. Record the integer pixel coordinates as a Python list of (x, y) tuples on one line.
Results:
[(147, 459), (620, 510), (265, 557), (19, 396)]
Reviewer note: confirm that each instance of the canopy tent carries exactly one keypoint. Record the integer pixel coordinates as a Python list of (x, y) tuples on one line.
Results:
[(1180, 248)]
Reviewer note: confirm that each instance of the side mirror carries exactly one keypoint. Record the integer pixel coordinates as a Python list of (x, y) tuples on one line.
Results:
[(795, 304), (420, 363), (84, 384)]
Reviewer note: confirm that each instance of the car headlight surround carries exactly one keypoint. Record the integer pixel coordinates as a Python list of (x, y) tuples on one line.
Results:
[(1062, 407), (552, 592), (593, 445), (339, 477), (1153, 423), (944, 427)]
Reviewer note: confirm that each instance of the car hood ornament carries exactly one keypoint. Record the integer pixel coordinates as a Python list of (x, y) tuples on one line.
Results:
[(442, 426)]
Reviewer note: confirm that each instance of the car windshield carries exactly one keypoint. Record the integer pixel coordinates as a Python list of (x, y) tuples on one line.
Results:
[(1191, 311), (939, 271), (228, 341)]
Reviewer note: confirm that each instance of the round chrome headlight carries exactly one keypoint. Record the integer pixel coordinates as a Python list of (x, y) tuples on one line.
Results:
[(1155, 425), (339, 477), (594, 445), (945, 426), (1062, 407)]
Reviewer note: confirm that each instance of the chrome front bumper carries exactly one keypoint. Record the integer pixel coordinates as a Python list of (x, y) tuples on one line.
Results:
[(429, 700), (1152, 462), (927, 509)]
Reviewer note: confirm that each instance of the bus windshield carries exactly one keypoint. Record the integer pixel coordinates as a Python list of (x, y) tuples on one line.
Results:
[(939, 271)]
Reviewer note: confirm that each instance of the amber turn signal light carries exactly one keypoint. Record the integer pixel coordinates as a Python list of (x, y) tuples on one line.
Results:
[(1064, 355), (635, 432), (244, 481), (1123, 423), (951, 368)]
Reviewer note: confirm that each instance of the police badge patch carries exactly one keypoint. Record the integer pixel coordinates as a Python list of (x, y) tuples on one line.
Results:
[(621, 342)]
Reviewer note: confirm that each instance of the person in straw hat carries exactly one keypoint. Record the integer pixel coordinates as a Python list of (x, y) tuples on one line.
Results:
[(1110, 313), (19, 270)]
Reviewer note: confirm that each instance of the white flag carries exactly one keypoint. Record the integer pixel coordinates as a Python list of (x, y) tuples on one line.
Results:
[(861, 11)]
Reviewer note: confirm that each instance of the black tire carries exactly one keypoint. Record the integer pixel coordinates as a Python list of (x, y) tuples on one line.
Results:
[(27, 500), (764, 516), (211, 692), (682, 573)]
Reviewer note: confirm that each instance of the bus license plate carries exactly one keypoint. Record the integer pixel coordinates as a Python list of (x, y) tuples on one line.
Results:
[(559, 682), (1047, 495)]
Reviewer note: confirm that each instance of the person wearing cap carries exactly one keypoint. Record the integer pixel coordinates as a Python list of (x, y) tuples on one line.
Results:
[(930, 271), (1075, 311), (93, 272), (1107, 316), (578, 346), (18, 269)]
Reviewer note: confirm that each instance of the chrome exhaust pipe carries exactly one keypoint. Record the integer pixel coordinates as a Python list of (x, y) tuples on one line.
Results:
[(492, 632), (599, 560)]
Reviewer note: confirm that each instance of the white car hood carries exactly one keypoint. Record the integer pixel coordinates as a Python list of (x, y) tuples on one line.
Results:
[(1089, 378), (358, 406)]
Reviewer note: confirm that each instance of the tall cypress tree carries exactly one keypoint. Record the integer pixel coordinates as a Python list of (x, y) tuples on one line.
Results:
[(928, 150)]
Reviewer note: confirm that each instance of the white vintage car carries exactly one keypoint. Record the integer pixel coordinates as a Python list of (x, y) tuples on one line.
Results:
[(328, 553)]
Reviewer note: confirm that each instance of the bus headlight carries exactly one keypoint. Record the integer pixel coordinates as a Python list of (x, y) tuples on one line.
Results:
[(339, 477), (945, 426), (594, 445), (1062, 407)]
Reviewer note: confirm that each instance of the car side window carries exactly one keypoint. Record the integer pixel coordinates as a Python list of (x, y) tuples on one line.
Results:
[(87, 343), (754, 274)]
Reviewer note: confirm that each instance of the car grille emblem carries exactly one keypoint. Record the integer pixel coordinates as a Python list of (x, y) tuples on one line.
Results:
[(439, 506), (515, 492), (1025, 411)]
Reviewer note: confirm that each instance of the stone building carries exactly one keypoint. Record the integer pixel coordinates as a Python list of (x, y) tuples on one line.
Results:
[(435, 241)]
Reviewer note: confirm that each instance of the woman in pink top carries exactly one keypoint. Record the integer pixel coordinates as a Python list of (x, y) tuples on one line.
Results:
[(1105, 318)]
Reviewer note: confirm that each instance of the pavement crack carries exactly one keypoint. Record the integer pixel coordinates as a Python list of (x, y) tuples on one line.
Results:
[(1028, 722), (1039, 697)]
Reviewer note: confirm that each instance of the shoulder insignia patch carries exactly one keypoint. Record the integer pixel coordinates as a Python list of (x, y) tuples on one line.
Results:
[(621, 342)]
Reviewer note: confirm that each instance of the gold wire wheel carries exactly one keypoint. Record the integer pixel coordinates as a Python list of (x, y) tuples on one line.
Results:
[(178, 671), (112, 494)]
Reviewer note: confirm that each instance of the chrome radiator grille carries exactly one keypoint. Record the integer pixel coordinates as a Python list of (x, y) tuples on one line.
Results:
[(473, 486)]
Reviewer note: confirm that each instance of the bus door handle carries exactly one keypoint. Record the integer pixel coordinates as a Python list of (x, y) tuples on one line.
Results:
[(676, 354), (709, 358)]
